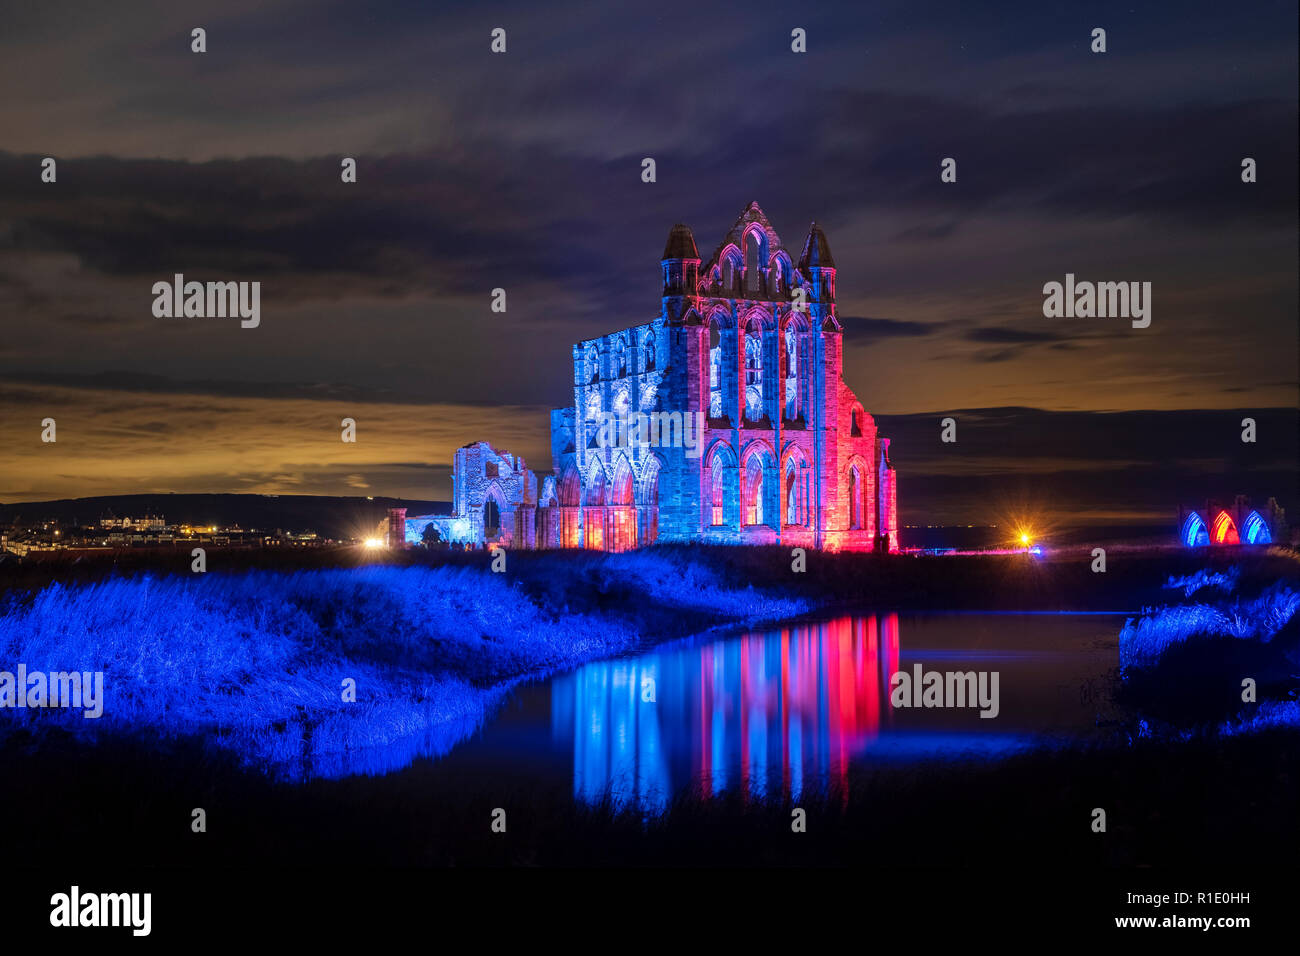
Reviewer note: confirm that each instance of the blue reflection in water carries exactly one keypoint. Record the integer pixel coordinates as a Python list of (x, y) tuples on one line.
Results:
[(769, 713)]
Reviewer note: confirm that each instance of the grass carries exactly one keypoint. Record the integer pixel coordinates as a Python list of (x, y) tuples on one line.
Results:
[(1144, 640), (257, 661), (1186, 667)]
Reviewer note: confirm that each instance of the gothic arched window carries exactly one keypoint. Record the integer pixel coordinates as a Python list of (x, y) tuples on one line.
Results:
[(715, 371), (718, 470), (791, 494), (855, 498), (754, 491), (491, 518), (791, 372), (753, 372)]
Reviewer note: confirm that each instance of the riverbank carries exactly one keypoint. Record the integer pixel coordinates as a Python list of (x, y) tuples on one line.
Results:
[(1058, 580), (325, 671), (226, 691), (337, 671)]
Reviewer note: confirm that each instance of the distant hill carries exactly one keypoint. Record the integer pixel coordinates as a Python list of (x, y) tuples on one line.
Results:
[(332, 517)]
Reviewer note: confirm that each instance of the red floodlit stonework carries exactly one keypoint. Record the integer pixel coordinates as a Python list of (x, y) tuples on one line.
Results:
[(748, 346)]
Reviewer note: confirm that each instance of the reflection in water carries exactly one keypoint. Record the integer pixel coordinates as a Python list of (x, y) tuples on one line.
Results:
[(769, 714)]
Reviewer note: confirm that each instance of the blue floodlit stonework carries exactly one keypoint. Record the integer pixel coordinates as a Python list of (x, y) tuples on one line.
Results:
[(754, 437)]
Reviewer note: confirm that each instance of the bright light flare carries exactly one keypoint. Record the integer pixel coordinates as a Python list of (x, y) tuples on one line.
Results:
[(374, 542)]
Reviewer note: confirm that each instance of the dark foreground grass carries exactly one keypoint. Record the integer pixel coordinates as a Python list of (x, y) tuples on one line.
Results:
[(582, 580), (128, 802)]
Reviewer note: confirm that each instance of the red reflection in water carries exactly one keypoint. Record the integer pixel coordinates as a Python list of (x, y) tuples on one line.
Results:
[(768, 713)]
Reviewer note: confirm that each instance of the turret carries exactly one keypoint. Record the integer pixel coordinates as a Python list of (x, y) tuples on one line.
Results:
[(681, 271), (818, 264)]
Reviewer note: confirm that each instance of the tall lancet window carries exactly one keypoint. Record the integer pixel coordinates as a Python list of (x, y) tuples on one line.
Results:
[(791, 372), (718, 472), (754, 491), (855, 498), (791, 494), (753, 371), (753, 264), (715, 371), (732, 267)]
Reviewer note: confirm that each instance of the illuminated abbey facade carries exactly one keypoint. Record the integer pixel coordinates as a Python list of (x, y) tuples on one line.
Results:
[(724, 419)]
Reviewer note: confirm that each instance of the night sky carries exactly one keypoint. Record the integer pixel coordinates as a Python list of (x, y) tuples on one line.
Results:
[(522, 171)]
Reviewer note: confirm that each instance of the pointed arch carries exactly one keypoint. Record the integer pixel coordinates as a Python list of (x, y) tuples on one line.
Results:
[(757, 243), (620, 488), (857, 421), (792, 494), (760, 492), (1194, 532), (720, 484), (620, 357), (719, 321), (857, 487), (568, 493), (647, 498), (570, 488), (732, 264), (647, 489), (784, 268), (795, 349), (622, 400), (1254, 530), (754, 347), (721, 316), (795, 488), (758, 317), (595, 496), (548, 497), (494, 512), (620, 516), (753, 491), (1224, 529)]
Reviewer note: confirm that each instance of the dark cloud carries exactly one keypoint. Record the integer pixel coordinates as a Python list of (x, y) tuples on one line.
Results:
[(1011, 336), (523, 172), (859, 329), (1070, 465)]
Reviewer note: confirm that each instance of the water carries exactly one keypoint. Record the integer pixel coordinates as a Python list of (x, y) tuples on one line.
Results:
[(778, 711)]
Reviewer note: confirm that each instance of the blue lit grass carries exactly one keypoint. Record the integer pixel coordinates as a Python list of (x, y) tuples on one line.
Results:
[(255, 662), (1144, 640), (1184, 667)]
